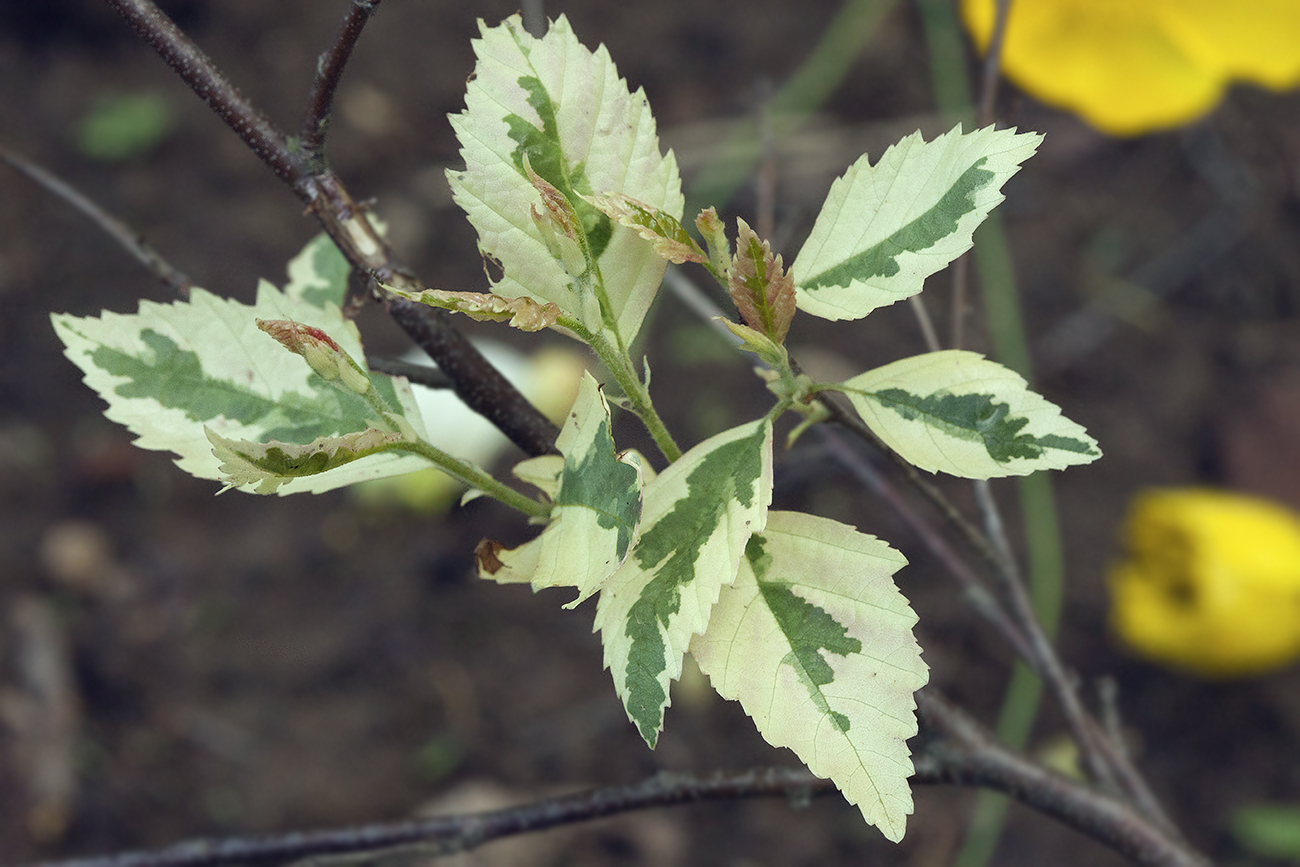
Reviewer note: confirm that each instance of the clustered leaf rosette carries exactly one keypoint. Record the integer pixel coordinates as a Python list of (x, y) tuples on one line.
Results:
[(1131, 68), (795, 617)]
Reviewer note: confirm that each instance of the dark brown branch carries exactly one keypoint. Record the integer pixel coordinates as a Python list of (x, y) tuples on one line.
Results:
[(132, 241), (198, 71), (417, 374), (329, 71), (480, 385), (954, 750), (966, 754)]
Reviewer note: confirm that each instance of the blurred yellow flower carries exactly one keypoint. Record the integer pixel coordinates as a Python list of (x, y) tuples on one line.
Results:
[(1133, 66), (1211, 582)]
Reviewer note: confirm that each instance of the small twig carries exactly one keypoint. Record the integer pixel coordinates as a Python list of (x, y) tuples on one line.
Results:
[(329, 71), (977, 594), (987, 104), (954, 750), (926, 324), (993, 63), (130, 240), (416, 374), (967, 754)]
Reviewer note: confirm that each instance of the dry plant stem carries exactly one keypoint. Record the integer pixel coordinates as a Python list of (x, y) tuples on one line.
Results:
[(134, 243), (954, 750), (991, 72), (1106, 761), (329, 71), (964, 753), (979, 596), (480, 385), (1048, 664), (988, 100), (416, 374)]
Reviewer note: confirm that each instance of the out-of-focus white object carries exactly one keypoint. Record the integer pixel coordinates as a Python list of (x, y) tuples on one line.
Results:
[(548, 378)]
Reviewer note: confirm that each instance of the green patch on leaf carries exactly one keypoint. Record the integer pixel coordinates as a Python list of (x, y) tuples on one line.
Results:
[(565, 112), (546, 156), (980, 417), (169, 369), (319, 274), (809, 629), (924, 232), (884, 228), (175, 379), (958, 412), (671, 550), (815, 642), (597, 494), (695, 521), (607, 486)]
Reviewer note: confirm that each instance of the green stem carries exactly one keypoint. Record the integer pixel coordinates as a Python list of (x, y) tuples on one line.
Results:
[(475, 477), (619, 364)]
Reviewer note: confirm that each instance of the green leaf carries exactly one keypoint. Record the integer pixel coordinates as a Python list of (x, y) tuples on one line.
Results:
[(697, 516), (884, 228), (958, 412), (597, 509), (815, 642), (565, 111), (170, 369), (125, 126)]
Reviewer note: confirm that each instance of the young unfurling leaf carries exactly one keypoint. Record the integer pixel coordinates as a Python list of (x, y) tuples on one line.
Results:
[(523, 313), (815, 642), (697, 516), (762, 290), (664, 231), (885, 228), (270, 465), (958, 412)]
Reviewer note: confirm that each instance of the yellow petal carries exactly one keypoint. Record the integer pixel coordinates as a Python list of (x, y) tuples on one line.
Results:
[(1132, 66), (1258, 41), (1211, 582)]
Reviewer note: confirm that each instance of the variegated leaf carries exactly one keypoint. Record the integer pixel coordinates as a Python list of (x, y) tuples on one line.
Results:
[(961, 413), (565, 111), (815, 642), (169, 369), (884, 228), (597, 509), (695, 521)]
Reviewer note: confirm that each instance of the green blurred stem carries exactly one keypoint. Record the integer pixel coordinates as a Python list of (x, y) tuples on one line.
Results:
[(952, 88), (477, 478), (812, 83), (619, 364)]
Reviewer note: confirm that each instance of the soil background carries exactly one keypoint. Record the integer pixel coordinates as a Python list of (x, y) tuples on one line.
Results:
[(245, 664)]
